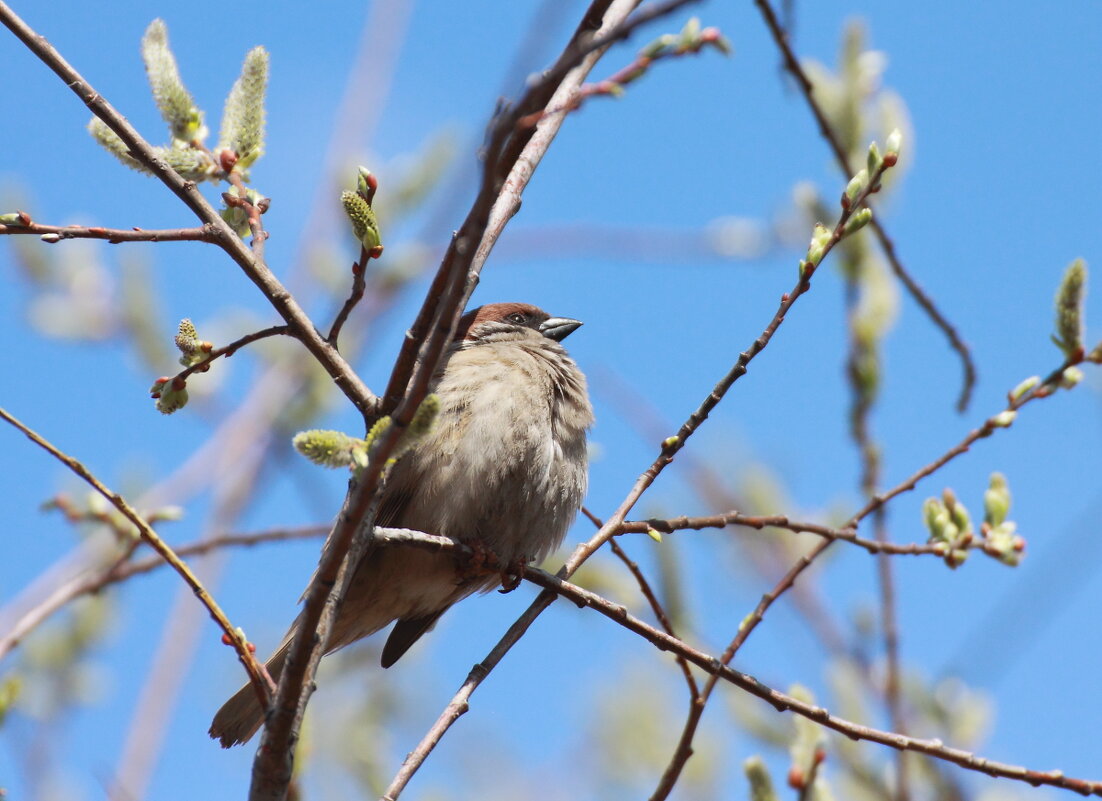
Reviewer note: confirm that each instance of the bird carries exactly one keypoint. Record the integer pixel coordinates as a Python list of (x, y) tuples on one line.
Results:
[(504, 468)]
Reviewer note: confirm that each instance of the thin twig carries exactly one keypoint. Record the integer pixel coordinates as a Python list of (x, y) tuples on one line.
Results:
[(250, 262), (123, 568), (556, 586), (1042, 390), (511, 155), (862, 357), (232, 348), (359, 270), (236, 639), (792, 64), (652, 598), (58, 233), (670, 447), (454, 281), (785, 703), (669, 525)]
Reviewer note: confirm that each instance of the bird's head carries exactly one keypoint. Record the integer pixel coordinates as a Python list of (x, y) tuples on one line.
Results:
[(505, 321)]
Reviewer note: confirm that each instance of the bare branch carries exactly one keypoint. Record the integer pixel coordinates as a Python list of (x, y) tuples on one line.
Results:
[(250, 262), (232, 634), (792, 64), (122, 568), (114, 236)]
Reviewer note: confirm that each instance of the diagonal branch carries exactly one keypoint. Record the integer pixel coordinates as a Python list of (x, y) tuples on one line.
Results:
[(555, 586), (251, 264), (123, 568), (234, 636), (792, 64)]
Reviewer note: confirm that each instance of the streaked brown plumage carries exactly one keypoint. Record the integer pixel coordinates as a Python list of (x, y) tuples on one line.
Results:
[(503, 467)]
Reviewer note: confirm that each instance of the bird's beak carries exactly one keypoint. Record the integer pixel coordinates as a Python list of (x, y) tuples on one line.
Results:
[(559, 328)]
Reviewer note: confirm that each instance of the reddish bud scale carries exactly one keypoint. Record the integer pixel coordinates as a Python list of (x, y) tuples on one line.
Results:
[(251, 647), (820, 756), (178, 383), (375, 252), (795, 778), (227, 159), (24, 218), (891, 159), (226, 640)]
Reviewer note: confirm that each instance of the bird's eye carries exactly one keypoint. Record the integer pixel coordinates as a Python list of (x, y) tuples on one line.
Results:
[(517, 318)]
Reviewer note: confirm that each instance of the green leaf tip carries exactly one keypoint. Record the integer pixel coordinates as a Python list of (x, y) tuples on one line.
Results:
[(243, 116), (1069, 309), (185, 120)]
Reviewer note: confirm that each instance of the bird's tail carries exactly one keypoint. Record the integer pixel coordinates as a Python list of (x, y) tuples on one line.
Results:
[(241, 716)]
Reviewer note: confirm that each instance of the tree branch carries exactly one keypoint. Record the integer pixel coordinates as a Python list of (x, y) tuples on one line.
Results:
[(792, 64), (253, 266), (114, 236), (232, 634)]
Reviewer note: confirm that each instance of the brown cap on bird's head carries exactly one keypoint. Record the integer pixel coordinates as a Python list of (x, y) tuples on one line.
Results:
[(496, 317)]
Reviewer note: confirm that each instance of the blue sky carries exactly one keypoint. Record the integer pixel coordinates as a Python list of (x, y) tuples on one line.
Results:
[(999, 196)]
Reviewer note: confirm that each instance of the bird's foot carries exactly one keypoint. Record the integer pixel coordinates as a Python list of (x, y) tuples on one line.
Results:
[(512, 575)]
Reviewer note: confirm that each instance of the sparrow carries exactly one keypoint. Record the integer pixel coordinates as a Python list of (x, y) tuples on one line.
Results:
[(503, 469)]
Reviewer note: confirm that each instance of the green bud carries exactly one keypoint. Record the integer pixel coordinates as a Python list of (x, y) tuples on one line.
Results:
[(996, 500), (956, 557), (13, 219), (655, 535), (10, 689), (326, 448), (857, 185), (110, 141), (421, 424), (237, 217), (761, 785), (820, 238), (859, 220), (185, 120), (1007, 542), (961, 519), (1070, 377), (366, 183), (187, 340), (1069, 309), (364, 225), (243, 116), (1019, 391), (656, 48), (689, 34), (425, 416), (190, 163), (170, 394), (894, 141), (933, 511), (874, 161), (1003, 419)]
